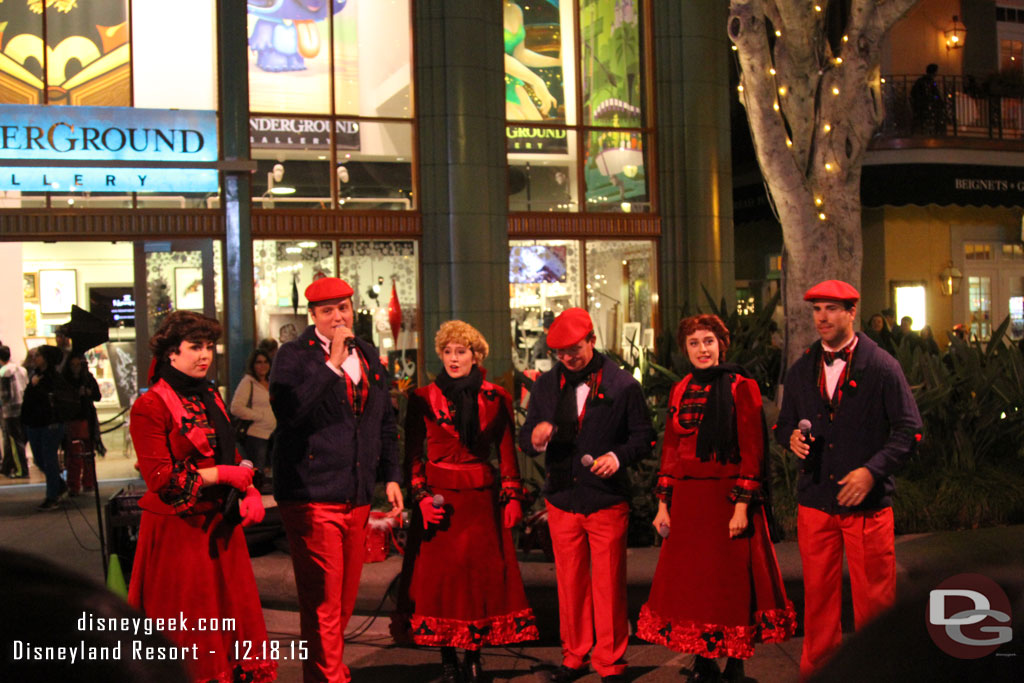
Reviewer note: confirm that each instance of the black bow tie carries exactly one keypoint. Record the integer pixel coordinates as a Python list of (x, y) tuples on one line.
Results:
[(841, 354)]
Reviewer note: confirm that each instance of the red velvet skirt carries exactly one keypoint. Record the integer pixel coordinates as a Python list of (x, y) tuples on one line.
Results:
[(175, 575), (713, 595), (461, 585)]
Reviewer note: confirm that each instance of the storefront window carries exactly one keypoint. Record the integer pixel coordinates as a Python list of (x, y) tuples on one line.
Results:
[(544, 80), (85, 53), (544, 280), (615, 173), (289, 65), (979, 304), (372, 59), (375, 166), (621, 289)]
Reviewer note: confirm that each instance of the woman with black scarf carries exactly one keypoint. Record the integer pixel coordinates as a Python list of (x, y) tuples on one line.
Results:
[(191, 558), (461, 585), (717, 589)]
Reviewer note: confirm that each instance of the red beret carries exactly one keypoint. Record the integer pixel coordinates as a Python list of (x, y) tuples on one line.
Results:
[(834, 290), (571, 325), (328, 289)]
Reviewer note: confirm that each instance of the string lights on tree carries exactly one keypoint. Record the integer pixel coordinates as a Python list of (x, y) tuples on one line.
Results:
[(806, 66)]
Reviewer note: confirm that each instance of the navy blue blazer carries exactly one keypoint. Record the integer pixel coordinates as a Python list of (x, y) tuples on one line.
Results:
[(877, 425), (322, 451), (616, 419)]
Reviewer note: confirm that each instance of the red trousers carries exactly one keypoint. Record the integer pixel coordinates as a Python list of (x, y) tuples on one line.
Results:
[(327, 541), (590, 567), (869, 541)]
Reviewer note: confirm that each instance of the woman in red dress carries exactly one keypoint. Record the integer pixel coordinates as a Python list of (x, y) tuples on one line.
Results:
[(189, 560), (461, 585), (717, 589)]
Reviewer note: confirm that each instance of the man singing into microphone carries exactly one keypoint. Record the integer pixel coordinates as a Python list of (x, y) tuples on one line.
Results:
[(863, 426), (336, 436), (588, 405)]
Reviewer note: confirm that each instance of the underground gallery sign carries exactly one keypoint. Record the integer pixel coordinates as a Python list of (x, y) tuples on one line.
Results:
[(107, 149)]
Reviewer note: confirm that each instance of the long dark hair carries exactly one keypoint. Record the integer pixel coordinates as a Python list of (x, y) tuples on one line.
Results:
[(250, 365)]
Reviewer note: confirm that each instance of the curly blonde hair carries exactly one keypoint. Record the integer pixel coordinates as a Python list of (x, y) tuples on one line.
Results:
[(461, 333)]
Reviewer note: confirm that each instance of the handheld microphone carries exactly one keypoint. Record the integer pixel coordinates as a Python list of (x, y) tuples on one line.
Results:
[(438, 501), (663, 530), (350, 344), (587, 460), (231, 512), (805, 428)]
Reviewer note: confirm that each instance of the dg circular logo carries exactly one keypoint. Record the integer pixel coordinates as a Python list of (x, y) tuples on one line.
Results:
[(968, 616)]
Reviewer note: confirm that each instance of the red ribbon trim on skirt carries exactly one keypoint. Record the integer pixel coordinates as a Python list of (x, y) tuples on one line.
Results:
[(471, 635), (715, 640)]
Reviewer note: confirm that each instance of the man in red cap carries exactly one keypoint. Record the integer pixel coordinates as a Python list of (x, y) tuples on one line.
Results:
[(863, 426), (335, 435), (588, 407)]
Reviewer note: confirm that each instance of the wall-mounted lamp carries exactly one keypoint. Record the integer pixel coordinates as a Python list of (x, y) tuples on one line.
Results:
[(955, 35), (950, 277)]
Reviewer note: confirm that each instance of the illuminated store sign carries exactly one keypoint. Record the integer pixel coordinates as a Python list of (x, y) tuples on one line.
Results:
[(113, 147), (278, 132), (530, 139)]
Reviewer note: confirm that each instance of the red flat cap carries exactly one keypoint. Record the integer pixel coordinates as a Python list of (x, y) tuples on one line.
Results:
[(832, 290), (328, 290), (571, 326)]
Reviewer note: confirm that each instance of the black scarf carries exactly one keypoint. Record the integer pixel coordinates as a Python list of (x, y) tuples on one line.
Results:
[(462, 393), (200, 389), (717, 431), (567, 421)]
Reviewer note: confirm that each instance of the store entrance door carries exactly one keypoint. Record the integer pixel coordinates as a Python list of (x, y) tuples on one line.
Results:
[(170, 275)]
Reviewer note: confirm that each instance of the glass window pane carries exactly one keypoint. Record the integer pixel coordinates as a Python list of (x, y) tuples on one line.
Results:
[(910, 301), (1016, 306), (610, 63), (621, 285), (614, 171), (538, 43), (978, 252), (283, 269), (189, 80), (374, 268), (14, 199), (979, 305), (542, 169), (293, 162), (288, 60), (373, 58), (544, 280), (374, 166)]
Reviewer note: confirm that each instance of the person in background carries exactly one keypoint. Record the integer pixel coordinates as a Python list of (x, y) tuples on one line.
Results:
[(81, 429), (877, 332), (43, 426), (251, 401), (864, 424), (191, 560), (336, 437), (588, 406), (927, 341), (895, 333), (461, 585), (268, 346), (13, 380), (717, 589)]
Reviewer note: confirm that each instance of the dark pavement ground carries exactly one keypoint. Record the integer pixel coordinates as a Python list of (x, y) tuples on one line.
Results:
[(67, 537)]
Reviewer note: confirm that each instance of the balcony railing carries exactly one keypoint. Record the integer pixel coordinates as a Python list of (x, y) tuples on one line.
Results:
[(956, 107)]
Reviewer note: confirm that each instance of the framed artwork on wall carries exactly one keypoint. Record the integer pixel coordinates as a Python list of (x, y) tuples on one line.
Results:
[(31, 286), (188, 289), (58, 291)]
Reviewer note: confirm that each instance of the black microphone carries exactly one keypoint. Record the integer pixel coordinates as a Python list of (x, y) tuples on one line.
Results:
[(350, 344), (663, 530), (587, 460), (438, 501), (231, 511), (805, 428)]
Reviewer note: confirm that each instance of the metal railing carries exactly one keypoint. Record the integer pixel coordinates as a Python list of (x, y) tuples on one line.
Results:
[(954, 107)]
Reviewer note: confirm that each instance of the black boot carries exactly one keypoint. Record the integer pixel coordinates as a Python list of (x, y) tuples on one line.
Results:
[(734, 671), (705, 670), (450, 672), (474, 672)]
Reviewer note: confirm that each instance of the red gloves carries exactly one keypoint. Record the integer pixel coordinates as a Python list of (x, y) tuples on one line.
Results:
[(235, 475), (251, 507), (431, 514), (513, 513)]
